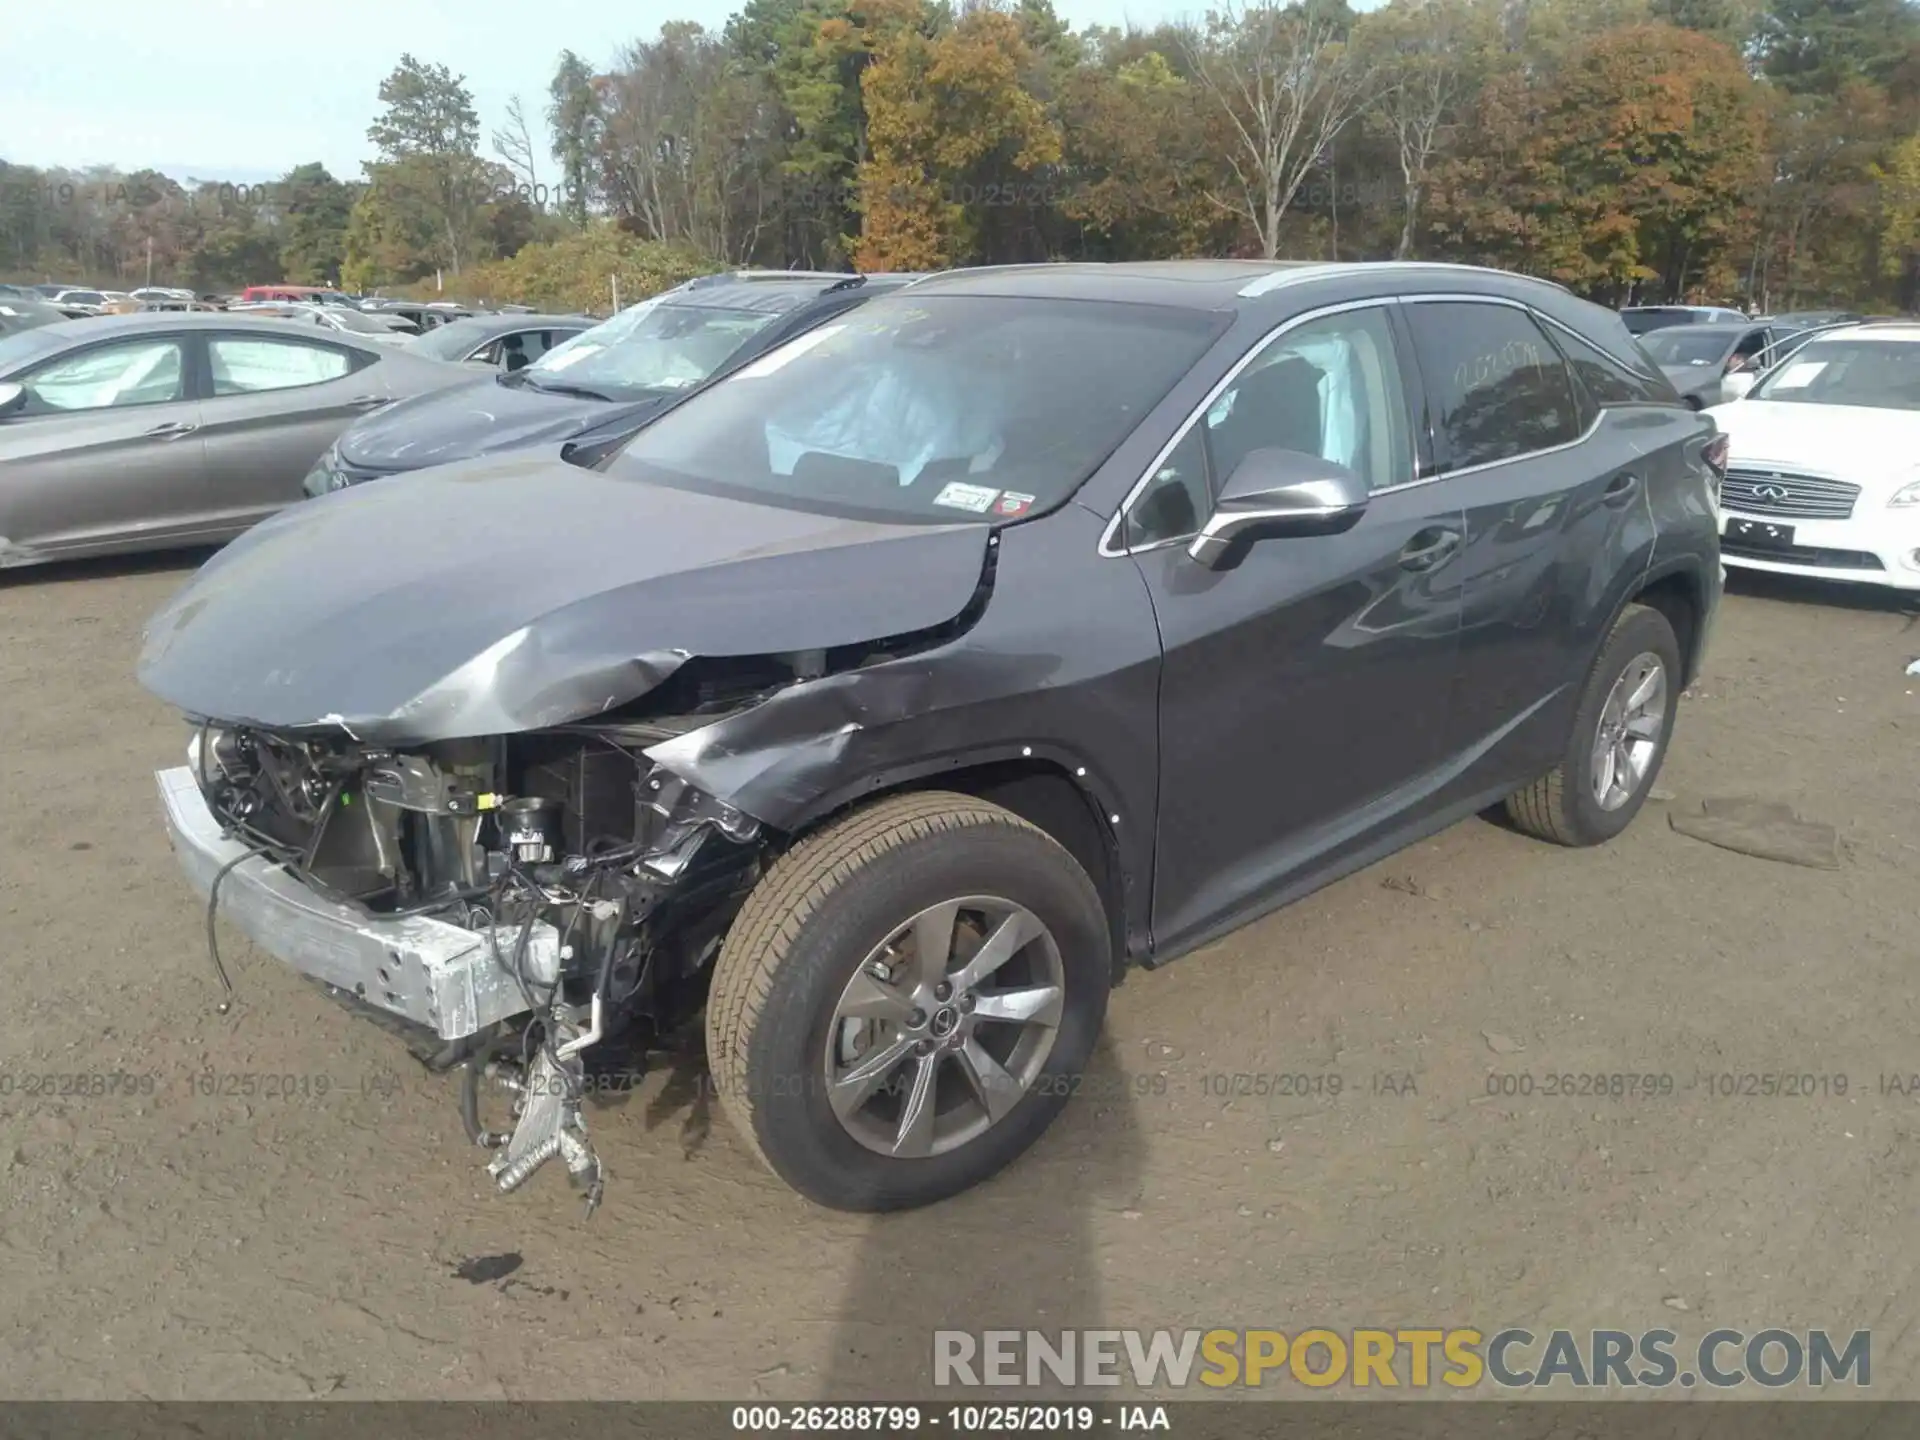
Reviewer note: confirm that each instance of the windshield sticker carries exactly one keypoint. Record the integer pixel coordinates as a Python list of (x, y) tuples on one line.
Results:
[(788, 352), (960, 496), (1795, 376), (1013, 503)]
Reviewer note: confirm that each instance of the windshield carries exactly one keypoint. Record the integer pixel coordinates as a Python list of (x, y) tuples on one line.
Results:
[(355, 321), (451, 341), (651, 346), (1678, 345), (1879, 374), (929, 409)]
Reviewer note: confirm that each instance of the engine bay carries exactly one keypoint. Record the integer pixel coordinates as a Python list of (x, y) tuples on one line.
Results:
[(574, 828)]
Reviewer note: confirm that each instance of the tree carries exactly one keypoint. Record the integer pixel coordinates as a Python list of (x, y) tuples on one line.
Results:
[(1899, 235), (1816, 46), (314, 210), (1283, 84), (393, 235), (685, 157), (949, 127), (1136, 169), (513, 143), (428, 136), (1425, 53), (1631, 165), (574, 120)]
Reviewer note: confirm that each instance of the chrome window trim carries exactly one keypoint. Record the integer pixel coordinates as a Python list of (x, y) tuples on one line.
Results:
[(1108, 548), (1107, 536), (1540, 317)]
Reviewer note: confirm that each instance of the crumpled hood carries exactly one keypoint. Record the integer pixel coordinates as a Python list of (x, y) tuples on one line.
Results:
[(516, 592), (481, 418)]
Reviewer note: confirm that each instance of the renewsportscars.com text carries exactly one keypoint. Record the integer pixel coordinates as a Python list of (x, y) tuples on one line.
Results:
[(1403, 1358)]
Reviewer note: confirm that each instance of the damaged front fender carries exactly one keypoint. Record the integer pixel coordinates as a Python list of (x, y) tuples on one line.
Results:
[(1048, 675)]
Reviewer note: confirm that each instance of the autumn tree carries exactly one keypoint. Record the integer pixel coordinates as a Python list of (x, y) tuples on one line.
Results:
[(948, 124), (1136, 170), (1628, 167)]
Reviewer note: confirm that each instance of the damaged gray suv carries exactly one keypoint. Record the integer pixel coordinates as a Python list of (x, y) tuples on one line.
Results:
[(890, 699)]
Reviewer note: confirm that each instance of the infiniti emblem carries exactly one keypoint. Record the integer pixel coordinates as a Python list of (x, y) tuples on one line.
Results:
[(1775, 493)]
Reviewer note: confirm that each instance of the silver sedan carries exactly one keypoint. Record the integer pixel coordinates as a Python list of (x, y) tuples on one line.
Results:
[(157, 431)]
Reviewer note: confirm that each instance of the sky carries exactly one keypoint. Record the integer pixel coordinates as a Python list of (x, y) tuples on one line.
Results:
[(243, 90)]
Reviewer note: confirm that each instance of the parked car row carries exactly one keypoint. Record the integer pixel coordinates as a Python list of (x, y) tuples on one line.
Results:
[(153, 430), (589, 387), (883, 664)]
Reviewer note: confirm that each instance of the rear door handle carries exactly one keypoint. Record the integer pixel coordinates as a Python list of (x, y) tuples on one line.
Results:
[(1621, 489), (172, 430), (1428, 548)]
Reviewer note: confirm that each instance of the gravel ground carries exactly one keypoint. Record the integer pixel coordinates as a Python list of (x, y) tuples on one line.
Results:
[(168, 1243)]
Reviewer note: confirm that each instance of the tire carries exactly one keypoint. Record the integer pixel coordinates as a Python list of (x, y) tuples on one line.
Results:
[(1562, 805), (810, 929)]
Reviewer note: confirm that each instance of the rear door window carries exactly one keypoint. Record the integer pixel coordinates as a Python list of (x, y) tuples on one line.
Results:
[(1496, 386), (249, 366)]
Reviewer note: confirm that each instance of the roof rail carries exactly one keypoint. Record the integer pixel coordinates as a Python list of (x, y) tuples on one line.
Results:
[(735, 277)]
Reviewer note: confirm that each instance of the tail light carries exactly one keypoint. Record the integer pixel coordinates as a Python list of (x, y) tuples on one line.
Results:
[(1715, 454)]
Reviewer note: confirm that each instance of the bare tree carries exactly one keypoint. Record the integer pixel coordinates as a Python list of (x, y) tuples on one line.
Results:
[(1285, 85), (1422, 51), (513, 143), (685, 150)]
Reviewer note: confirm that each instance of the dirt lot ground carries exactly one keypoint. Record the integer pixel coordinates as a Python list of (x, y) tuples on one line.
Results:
[(176, 1244)]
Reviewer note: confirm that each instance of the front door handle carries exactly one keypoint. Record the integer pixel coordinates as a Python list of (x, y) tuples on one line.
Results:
[(1620, 490), (172, 430), (1428, 548), (366, 402)]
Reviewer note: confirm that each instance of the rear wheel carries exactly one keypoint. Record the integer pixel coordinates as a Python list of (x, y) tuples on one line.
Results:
[(1618, 740), (903, 1002)]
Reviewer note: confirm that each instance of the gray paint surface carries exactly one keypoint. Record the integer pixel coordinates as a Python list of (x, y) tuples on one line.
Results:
[(194, 471)]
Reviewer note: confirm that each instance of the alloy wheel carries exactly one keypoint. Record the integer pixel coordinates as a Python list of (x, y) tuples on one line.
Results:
[(1627, 740), (945, 1027)]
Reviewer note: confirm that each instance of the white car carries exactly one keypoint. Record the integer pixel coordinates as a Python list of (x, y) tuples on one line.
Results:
[(1823, 465), (381, 330)]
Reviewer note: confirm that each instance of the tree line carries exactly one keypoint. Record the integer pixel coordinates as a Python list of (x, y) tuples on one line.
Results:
[(1766, 151)]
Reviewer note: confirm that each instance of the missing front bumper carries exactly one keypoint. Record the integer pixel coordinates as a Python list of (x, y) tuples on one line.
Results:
[(426, 971)]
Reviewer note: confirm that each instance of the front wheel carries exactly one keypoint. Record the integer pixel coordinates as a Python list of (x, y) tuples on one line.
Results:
[(1618, 740), (904, 1002)]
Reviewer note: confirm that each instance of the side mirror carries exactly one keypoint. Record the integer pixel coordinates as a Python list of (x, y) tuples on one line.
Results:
[(12, 397), (1276, 494), (1736, 385)]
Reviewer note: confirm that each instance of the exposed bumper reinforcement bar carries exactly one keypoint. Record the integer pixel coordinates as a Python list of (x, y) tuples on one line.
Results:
[(427, 971)]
